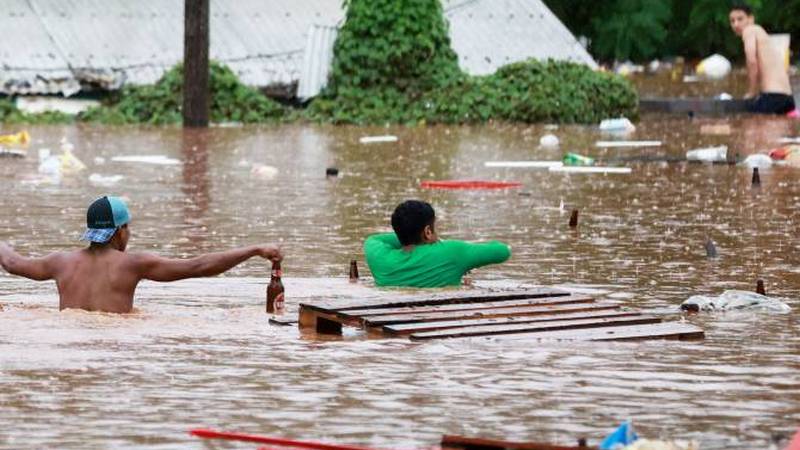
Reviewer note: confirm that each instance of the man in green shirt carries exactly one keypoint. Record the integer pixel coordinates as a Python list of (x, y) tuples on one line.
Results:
[(415, 256)]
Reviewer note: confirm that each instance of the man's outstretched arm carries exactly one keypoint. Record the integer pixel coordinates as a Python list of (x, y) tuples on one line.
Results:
[(38, 269), (156, 268)]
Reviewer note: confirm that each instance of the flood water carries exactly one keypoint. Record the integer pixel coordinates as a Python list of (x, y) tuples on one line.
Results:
[(200, 353)]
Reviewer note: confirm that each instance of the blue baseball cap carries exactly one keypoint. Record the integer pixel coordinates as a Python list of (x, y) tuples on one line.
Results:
[(104, 217)]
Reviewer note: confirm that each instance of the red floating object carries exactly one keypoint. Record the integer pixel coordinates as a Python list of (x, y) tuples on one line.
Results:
[(211, 434), (469, 184)]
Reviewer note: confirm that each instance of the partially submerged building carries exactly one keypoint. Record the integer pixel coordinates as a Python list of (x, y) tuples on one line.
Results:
[(66, 46)]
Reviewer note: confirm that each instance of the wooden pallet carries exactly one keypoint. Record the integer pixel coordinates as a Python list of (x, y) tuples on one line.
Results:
[(537, 314)]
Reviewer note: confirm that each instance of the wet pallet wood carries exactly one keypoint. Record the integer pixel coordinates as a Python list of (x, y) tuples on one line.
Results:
[(572, 324), (664, 330), (411, 328), (450, 442), (542, 314)]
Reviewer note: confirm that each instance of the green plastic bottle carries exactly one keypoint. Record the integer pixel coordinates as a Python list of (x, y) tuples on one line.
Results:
[(574, 159)]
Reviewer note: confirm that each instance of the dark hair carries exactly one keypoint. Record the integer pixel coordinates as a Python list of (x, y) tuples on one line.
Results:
[(410, 218), (739, 6)]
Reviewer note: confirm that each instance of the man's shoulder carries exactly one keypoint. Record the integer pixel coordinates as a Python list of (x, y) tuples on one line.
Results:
[(754, 30)]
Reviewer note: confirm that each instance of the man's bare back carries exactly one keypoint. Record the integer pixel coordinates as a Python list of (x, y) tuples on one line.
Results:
[(771, 75), (103, 277)]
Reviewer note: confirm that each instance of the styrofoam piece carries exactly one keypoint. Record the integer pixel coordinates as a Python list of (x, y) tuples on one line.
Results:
[(377, 139), (524, 164), (590, 169), (789, 140), (160, 160), (608, 144)]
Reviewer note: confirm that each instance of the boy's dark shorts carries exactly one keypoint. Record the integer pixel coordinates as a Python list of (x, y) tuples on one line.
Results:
[(771, 103)]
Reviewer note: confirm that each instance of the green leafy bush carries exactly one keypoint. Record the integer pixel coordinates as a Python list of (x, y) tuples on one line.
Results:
[(161, 103), (393, 64)]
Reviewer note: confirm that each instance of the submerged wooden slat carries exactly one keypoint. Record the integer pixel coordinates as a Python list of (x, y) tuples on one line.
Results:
[(487, 330), (467, 443), (369, 312), (664, 330), (417, 327), (282, 321), (534, 310), (462, 298)]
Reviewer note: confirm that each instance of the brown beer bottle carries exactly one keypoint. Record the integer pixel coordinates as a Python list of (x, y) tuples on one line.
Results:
[(353, 271), (275, 291)]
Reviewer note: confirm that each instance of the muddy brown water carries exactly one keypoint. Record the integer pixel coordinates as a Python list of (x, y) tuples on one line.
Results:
[(201, 353)]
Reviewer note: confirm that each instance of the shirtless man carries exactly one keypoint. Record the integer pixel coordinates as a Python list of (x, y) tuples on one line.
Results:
[(103, 277), (768, 79)]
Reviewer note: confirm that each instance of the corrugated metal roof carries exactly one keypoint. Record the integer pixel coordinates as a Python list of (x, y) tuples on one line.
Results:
[(318, 57), (110, 42), (488, 34)]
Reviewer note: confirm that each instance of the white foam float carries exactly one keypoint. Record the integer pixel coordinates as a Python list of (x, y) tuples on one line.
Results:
[(524, 164), (377, 139), (609, 144), (789, 140), (590, 169), (160, 160)]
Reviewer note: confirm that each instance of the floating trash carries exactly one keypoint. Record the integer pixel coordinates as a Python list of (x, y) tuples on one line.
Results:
[(574, 159), (524, 164), (758, 160), (22, 138), (469, 184), (592, 169), (623, 436), (716, 129), (647, 444), (377, 139), (263, 171), (104, 180), (612, 144), (735, 300), (12, 153), (715, 67), (549, 141), (619, 125), (708, 154), (160, 160)]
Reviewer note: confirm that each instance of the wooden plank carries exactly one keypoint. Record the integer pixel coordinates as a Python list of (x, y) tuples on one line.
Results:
[(694, 105), (664, 330), (535, 310), (322, 321), (467, 443), (410, 328), (488, 330), (369, 312), (469, 297)]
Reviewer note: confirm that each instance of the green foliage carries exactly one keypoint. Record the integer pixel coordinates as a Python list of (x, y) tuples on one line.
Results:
[(161, 103), (10, 114), (393, 64), (400, 43), (631, 29)]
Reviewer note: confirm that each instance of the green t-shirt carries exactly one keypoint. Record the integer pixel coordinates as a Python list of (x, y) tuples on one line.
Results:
[(429, 265)]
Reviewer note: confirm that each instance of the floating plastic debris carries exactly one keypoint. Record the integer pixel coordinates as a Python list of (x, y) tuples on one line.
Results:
[(22, 138), (592, 169), (264, 171), (611, 144), (549, 141), (709, 154), (623, 436), (104, 180), (735, 300), (377, 139), (160, 160), (715, 67), (469, 184), (574, 159), (646, 444), (619, 125), (758, 160), (524, 164)]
